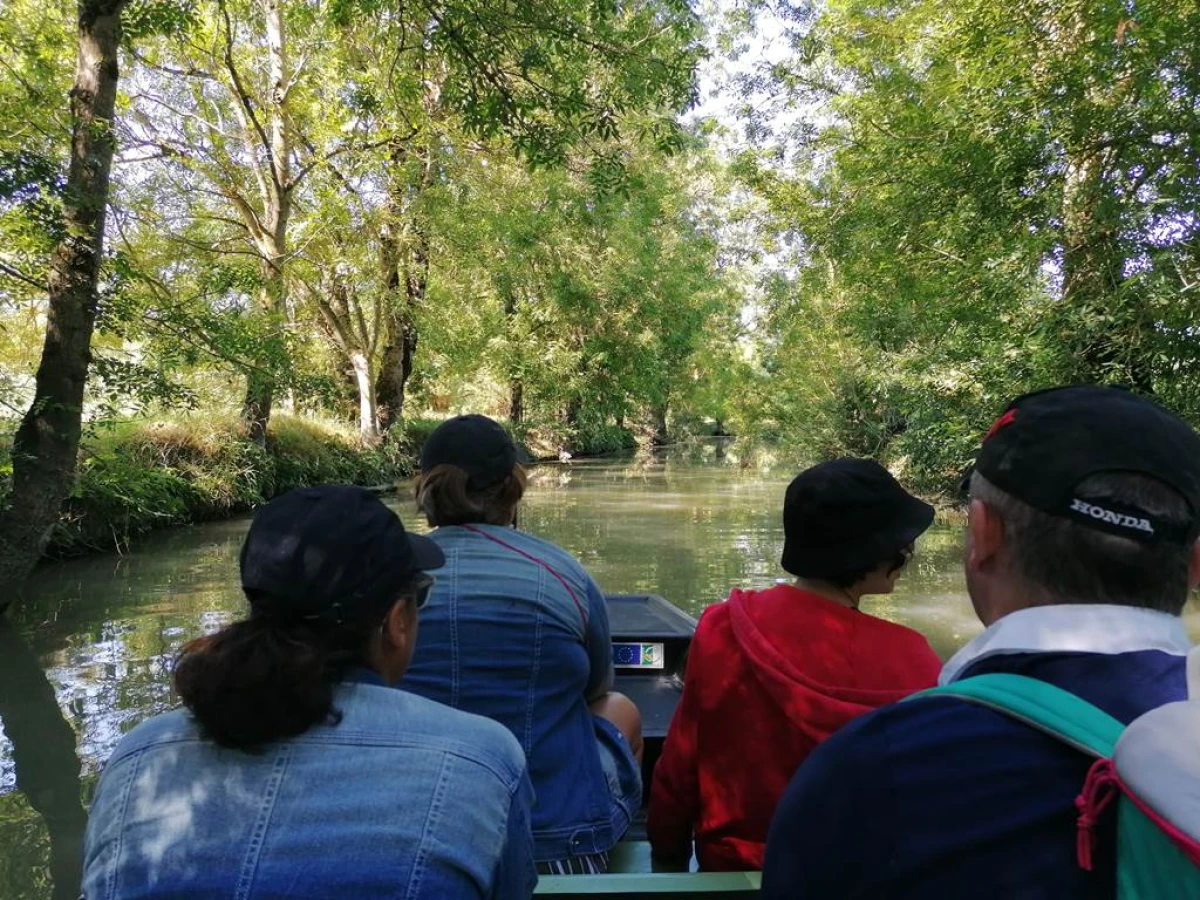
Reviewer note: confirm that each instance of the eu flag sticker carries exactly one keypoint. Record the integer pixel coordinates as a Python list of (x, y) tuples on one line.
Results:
[(638, 656)]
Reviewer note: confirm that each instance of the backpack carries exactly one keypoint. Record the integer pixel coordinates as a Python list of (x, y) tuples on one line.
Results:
[(1151, 767)]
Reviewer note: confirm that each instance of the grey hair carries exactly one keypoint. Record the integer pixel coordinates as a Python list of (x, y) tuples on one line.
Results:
[(1073, 563)]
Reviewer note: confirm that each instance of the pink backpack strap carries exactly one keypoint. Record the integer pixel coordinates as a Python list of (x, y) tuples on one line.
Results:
[(1098, 792)]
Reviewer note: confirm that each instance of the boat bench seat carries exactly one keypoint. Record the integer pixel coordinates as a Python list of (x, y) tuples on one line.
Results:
[(631, 876)]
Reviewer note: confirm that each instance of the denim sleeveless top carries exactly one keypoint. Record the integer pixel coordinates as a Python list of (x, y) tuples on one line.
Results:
[(516, 630)]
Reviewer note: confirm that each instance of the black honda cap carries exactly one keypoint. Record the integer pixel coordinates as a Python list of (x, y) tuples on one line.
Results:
[(477, 445), (330, 553), (1047, 443), (846, 515)]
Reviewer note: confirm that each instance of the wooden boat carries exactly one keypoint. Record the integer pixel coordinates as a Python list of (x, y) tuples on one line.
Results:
[(650, 643)]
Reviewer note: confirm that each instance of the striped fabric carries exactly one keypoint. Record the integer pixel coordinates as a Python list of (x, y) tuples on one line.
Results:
[(589, 864)]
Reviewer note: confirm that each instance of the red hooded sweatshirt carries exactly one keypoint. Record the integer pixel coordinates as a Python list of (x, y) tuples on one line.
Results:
[(770, 675)]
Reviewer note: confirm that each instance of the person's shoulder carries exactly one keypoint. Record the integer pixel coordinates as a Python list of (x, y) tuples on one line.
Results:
[(373, 714), (713, 621), (166, 728), (926, 724), (713, 616), (549, 551)]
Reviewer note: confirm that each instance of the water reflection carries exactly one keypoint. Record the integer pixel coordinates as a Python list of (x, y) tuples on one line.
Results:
[(41, 858)]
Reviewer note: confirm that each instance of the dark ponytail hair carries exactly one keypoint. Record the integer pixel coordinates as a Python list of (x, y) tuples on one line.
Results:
[(260, 680)]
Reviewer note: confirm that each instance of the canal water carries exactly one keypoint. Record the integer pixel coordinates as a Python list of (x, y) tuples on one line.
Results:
[(88, 653)]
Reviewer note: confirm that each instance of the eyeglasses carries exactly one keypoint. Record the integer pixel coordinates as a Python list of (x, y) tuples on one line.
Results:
[(419, 590)]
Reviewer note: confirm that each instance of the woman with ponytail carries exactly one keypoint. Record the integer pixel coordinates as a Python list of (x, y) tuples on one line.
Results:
[(296, 769)]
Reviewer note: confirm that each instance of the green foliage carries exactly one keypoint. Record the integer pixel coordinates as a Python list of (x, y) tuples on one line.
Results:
[(415, 432), (593, 311), (27, 840), (274, 217), (988, 198), (145, 18), (141, 475), (37, 45), (305, 451)]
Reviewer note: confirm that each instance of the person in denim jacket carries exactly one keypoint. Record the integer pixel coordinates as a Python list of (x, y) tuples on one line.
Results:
[(518, 631), (296, 769)]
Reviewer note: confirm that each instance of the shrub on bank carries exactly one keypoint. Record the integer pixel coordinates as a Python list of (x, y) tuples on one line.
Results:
[(547, 440), (415, 433), (138, 476)]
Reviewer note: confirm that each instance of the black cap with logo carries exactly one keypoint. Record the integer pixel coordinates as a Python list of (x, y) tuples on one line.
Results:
[(477, 445), (331, 554), (847, 515), (1047, 443)]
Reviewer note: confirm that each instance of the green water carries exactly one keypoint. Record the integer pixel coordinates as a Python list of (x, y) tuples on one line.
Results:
[(87, 655)]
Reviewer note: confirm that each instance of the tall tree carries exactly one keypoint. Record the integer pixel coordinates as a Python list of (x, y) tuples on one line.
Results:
[(46, 444), (984, 198), (543, 79), (404, 262), (220, 108)]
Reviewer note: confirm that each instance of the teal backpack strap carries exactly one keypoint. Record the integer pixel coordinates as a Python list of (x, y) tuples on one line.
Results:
[(1045, 707)]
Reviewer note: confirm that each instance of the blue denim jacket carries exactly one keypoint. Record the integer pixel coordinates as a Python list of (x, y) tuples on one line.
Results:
[(402, 798), (502, 636)]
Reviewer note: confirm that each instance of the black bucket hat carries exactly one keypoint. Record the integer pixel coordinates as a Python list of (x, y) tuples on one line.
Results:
[(476, 444), (330, 554), (847, 515)]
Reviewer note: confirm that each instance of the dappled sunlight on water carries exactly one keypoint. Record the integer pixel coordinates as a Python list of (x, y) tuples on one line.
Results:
[(96, 637)]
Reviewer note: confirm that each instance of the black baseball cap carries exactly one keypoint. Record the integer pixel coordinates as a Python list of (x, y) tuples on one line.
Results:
[(847, 515), (476, 444), (1048, 442), (330, 553)]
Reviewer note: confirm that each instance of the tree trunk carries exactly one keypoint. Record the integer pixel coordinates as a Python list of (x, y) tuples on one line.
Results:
[(516, 401), (46, 445), (43, 754), (1100, 336), (571, 414), (260, 382), (368, 416), (1104, 329), (516, 386), (659, 436), (270, 236), (404, 256), (256, 408), (406, 289)]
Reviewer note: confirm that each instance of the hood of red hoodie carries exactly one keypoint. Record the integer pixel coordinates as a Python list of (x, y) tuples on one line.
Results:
[(803, 652)]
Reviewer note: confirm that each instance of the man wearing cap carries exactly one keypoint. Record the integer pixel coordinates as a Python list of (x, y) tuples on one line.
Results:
[(1080, 552), (772, 673)]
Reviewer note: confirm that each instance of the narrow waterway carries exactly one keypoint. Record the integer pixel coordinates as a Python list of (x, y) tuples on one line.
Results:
[(88, 654)]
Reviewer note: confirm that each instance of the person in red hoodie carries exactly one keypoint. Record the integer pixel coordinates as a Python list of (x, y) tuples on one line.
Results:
[(772, 673)]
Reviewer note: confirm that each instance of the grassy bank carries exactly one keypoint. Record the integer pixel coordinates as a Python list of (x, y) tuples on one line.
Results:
[(144, 474), (138, 476)]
